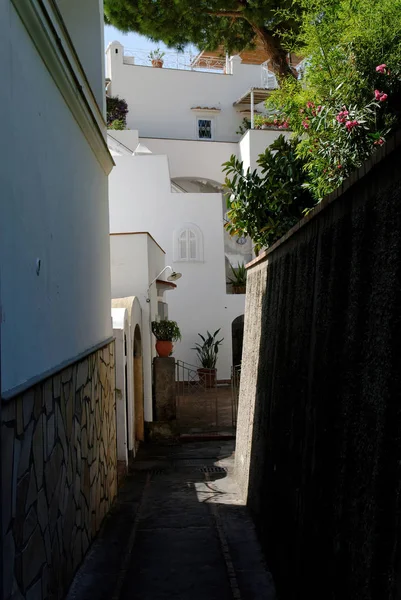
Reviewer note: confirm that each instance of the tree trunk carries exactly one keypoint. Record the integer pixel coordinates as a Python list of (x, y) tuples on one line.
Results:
[(277, 55)]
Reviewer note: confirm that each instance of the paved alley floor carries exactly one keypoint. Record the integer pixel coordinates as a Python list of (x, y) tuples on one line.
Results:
[(178, 530)]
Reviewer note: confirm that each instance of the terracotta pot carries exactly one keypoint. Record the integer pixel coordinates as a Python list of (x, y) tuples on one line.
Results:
[(239, 289), (157, 63), (163, 348), (207, 377)]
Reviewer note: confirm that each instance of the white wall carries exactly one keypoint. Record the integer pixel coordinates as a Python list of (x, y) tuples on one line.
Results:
[(160, 100), (135, 261), (85, 24), (121, 332), (140, 199), (193, 158), (254, 142), (53, 207)]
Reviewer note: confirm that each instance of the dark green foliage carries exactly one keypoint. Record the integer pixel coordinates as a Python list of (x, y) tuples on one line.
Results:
[(207, 351), (266, 205), (208, 24), (166, 331), (117, 110)]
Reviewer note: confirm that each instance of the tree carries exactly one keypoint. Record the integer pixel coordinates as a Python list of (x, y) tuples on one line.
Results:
[(233, 24)]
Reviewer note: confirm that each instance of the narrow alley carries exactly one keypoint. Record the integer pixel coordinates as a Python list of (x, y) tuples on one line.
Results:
[(177, 530)]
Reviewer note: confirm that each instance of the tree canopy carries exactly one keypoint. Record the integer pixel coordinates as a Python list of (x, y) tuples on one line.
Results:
[(233, 24)]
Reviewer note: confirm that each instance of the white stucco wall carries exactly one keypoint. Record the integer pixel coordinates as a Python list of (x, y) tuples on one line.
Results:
[(54, 208), (135, 261), (254, 142), (85, 24), (121, 332), (193, 158), (140, 199), (160, 100)]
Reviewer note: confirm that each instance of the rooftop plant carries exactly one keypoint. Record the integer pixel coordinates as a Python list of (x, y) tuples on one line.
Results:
[(156, 54)]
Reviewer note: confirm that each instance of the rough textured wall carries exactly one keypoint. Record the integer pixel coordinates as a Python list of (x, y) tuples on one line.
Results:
[(59, 475), (319, 431)]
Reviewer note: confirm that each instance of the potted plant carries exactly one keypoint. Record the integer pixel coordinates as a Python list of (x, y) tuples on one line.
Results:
[(156, 57), (238, 281), (166, 332), (207, 355)]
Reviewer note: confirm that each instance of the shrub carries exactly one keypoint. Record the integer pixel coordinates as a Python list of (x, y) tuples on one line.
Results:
[(265, 205), (117, 110)]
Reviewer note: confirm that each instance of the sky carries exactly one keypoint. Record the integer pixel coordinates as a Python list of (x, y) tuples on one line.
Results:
[(134, 41)]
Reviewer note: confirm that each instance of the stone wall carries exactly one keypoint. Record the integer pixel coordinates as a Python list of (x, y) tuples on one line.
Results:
[(59, 475), (319, 427)]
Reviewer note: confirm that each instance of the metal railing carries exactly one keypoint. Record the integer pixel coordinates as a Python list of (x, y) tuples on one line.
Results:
[(187, 379), (183, 61), (268, 78)]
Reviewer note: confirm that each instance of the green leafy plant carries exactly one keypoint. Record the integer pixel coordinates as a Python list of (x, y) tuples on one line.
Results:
[(166, 331), (208, 350), (156, 54), (117, 125), (239, 276), (244, 126), (117, 110), (266, 204)]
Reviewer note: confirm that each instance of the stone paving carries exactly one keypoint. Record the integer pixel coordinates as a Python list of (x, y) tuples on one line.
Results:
[(178, 530)]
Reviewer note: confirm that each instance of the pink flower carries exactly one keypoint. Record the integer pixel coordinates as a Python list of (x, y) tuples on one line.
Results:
[(339, 166), (305, 124), (379, 142), (381, 68), (310, 105), (342, 116), (351, 124), (381, 96), (319, 108)]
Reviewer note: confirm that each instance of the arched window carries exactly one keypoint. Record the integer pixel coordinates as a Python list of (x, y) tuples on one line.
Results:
[(188, 244)]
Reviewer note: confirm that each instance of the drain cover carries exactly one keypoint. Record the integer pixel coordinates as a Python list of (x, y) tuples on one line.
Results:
[(160, 471), (213, 470)]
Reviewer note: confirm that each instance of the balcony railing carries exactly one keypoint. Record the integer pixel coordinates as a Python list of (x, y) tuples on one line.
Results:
[(183, 61)]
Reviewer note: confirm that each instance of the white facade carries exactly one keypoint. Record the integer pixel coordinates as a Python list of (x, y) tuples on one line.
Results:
[(54, 250), (136, 261), (166, 103), (170, 183), (141, 199)]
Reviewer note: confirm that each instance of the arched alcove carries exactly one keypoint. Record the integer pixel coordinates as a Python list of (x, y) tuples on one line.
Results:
[(138, 387), (237, 332)]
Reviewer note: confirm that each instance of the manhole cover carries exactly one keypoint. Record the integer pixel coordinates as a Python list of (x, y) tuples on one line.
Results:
[(213, 470)]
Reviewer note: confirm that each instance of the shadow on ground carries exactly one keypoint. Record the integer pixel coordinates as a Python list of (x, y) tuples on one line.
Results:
[(177, 530)]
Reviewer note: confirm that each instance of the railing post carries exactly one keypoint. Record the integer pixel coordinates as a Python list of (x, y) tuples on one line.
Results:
[(252, 110)]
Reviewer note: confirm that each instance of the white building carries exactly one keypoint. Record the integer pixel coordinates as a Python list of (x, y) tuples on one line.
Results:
[(168, 181), (57, 351)]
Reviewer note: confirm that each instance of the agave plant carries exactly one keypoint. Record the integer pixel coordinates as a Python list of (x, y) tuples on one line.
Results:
[(239, 276), (208, 350)]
